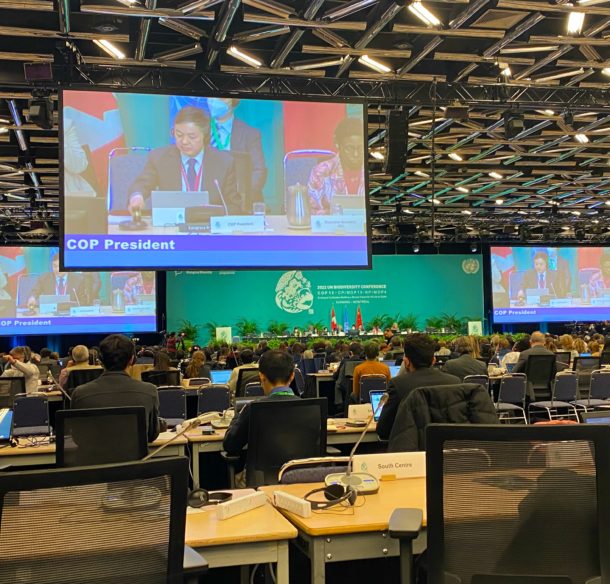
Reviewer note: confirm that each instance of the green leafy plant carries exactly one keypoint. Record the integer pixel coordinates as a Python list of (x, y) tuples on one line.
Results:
[(210, 328), (378, 320), (435, 322), (246, 327), (408, 322), (318, 325), (189, 329), (278, 328)]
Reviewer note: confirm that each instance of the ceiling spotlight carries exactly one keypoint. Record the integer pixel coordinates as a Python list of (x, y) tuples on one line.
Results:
[(575, 22), (377, 155), (462, 189), (466, 212), (499, 201), (109, 48), (416, 248), (576, 213), (505, 70), (582, 138), (3, 130), (606, 70), (244, 57), (426, 175), (374, 64), (496, 175), (437, 201), (417, 8), (455, 156), (474, 247), (548, 112)]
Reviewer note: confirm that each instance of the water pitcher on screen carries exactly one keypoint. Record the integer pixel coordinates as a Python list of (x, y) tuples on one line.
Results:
[(118, 300), (297, 206)]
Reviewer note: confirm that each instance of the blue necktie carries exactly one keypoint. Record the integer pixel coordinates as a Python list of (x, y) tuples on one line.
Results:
[(541, 281), (191, 175)]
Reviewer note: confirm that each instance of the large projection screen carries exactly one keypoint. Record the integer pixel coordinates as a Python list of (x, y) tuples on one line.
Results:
[(182, 182), (37, 298), (550, 284)]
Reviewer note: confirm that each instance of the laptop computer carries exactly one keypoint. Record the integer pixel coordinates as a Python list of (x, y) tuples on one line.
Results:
[(221, 376), (509, 367), (30, 417), (596, 417), (169, 207), (394, 370), (6, 417), (375, 397)]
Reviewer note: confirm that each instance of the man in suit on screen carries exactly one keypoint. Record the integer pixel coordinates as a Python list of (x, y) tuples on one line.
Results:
[(56, 283), (541, 278), (190, 164)]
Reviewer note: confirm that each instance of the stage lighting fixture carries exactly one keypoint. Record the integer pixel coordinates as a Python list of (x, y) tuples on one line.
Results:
[(417, 8), (244, 57), (455, 156), (513, 124), (499, 202), (374, 64), (582, 138), (575, 22), (462, 189), (41, 110), (606, 70), (496, 175), (396, 145), (474, 247), (109, 48), (466, 212), (416, 247)]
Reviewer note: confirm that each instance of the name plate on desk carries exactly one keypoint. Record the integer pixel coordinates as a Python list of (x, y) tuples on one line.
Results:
[(601, 301), (84, 310), (561, 302), (238, 224), (337, 224), (145, 308), (48, 308), (400, 465)]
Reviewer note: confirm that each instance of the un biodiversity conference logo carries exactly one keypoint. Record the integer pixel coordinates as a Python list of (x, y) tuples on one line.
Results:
[(293, 293), (470, 266)]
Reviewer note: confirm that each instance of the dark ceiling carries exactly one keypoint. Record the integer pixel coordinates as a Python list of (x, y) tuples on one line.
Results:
[(468, 177)]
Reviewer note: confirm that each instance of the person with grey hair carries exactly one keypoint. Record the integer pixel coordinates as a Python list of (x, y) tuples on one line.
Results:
[(18, 365), (465, 364), (80, 360)]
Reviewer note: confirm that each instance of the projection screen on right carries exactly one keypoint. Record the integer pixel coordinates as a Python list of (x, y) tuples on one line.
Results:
[(169, 182), (550, 284)]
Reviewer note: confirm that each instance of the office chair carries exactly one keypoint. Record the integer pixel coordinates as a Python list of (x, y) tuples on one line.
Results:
[(298, 384), (480, 379), (245, 376), (30, 416), (540, 371), (172, 405), (564, 357), (604, 358), (565, 390), (86, 541), (160, 378), (100, 436), (370, 383), (584, 366), (511, 398), (254, 389), (457, 404), (213, 398), (523, 518), (280, 431), (9, 388), (78, 377), (599, 392), (124, 166)]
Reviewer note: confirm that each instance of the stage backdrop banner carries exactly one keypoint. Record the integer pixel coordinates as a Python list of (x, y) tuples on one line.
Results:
[(425, 286)]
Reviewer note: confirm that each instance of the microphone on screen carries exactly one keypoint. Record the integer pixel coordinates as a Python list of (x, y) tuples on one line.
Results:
[(224, 204), (76, 296)]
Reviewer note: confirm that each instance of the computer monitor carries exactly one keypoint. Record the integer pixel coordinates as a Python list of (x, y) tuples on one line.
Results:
[(596, 417), (221, 376), (375, 399), (6, 418)]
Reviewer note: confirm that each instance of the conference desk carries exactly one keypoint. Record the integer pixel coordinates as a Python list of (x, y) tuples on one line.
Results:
[(43, 453), (259, 536), (342, 534), (201, 443)]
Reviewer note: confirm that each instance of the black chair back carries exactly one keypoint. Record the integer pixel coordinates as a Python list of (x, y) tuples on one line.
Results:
[(540, 371), (600, 384), (100, 435), (254, 389), (245, 376), (9, 388), (370, 383), (586, 364), (130, 517), (564, 357), (160, 378), (566, 386), (524, 515), (350, 366), (283, 430), (298, 383), (78, 377), (604, 358), (172, 405), (30, 416), (480, 379), (513, 387), (213, 398)]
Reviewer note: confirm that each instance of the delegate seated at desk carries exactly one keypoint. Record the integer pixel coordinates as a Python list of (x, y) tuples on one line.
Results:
[(189, 165), (56, 283), (541, 278), (115, 388), (18, 365)]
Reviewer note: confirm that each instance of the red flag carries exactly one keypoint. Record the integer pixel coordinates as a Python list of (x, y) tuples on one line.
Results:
[(358, 318), (333, 319)]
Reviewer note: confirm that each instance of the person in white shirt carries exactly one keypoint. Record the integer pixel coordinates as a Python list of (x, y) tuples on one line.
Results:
[(19, 366)]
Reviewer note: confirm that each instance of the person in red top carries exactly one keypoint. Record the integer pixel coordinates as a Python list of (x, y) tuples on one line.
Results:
[(372, 366), (140, 284), (343, 174)]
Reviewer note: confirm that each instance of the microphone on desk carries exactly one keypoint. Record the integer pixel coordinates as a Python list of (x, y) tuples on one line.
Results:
[(76, 296), (224, 204), (362, 482)]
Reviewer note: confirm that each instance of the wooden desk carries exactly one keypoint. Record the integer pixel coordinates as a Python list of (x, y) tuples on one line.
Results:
[(44, 454), (259, 536), (135, 371), (213, 443), (354, 533)]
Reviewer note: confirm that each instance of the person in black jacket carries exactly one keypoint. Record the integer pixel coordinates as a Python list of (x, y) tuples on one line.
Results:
[(465, 364), (418, 360)]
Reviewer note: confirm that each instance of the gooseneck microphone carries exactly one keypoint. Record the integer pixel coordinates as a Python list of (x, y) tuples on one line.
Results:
[(224, 204)]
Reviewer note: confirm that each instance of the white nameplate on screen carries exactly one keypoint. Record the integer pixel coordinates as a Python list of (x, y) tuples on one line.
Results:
[(238, 224), (560, 302), (48, 308), (84, 310), (402, 465), (145, 308), (603, 301), (337, 224)]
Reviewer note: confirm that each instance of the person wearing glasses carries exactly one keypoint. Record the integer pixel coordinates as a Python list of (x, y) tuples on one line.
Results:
[(343, 174)]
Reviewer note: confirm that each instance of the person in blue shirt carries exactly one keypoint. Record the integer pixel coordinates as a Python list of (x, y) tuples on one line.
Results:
[(276, 372)]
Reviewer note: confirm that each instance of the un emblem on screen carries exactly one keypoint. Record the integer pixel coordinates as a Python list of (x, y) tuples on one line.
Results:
[(470, 266), (293, 293)]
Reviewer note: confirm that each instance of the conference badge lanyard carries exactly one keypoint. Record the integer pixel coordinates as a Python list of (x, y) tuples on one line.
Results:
[(220, 145), (198, 178)]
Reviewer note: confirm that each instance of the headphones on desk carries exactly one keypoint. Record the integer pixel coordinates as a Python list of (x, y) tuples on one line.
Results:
[(335, 494), (200, 498)]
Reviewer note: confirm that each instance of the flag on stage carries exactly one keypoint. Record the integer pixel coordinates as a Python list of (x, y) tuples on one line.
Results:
[(345, 319), (333, 320), (358, 318)]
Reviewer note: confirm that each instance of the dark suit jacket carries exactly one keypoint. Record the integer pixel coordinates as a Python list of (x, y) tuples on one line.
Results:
[(465, 365), (553, 284), (117, 389), (246, 139), (401, 386), (236, 438), (162, 173), (74, 286), (524, 355)]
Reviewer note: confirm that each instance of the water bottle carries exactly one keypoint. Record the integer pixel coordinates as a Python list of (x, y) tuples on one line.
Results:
[(298, 211), (118, 300)]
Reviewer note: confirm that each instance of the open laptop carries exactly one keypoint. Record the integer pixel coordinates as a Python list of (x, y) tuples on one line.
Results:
[(6, 417), (375, 397), (169, 207), (596, 417), (30, 417), (221, 376), (394, 370)]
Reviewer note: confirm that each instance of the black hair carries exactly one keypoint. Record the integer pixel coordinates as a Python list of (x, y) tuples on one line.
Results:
[(194, 115), (276, 366), (356, 349), (348, 127), (116, 351), (522, 345), (371, 350), (45, 353), (419, 349), (247, 356)]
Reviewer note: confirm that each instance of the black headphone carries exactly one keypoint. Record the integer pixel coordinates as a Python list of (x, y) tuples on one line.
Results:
[(335, 495), (200, 498)]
